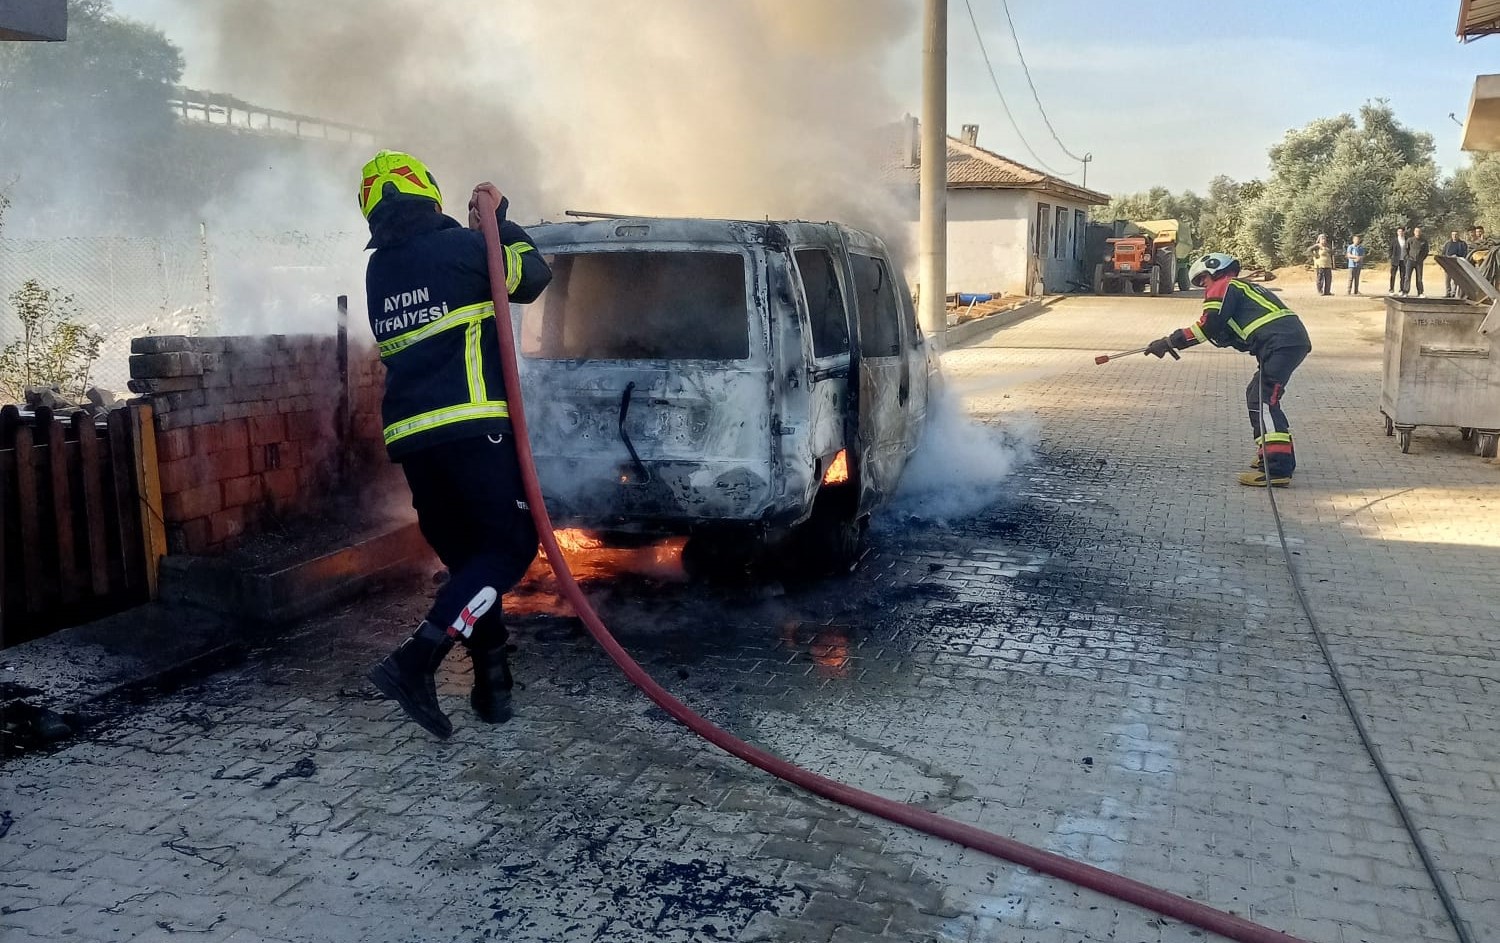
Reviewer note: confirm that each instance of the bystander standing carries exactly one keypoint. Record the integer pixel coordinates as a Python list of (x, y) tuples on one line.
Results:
[(1322, 260), (1416, 257), (1398, 260), (1459, 249), (1355, 253)]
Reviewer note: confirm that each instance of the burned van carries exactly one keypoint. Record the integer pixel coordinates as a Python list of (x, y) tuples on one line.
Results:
[(751, 384)]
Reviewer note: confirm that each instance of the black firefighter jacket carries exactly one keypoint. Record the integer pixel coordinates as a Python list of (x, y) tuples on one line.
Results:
[(1246, 317), (427, 288)]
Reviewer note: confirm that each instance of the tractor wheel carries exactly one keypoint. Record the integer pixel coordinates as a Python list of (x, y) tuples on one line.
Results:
[(1155, 281), (1099, 279)]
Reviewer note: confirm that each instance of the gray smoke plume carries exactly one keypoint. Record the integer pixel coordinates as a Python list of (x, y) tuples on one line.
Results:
[(744, 108)]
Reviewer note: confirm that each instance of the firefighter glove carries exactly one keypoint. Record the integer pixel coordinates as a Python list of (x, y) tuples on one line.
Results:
[(1161, 347)]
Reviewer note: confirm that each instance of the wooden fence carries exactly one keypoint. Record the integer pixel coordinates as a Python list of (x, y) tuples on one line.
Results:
[(80, 518)]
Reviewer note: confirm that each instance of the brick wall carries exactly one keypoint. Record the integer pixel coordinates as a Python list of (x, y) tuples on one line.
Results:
[(245, 429)]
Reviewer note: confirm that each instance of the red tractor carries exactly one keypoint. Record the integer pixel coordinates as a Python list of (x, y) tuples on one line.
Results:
[(1140, 260)]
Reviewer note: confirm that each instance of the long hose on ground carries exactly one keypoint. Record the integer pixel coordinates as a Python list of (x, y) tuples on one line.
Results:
[(1460, 927), (1084, 875)]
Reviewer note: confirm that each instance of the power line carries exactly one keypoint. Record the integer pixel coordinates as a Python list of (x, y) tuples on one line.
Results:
[(1003, 104), (1015, 38)]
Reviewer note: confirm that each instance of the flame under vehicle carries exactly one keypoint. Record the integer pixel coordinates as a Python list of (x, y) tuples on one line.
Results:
[(1140, 256), (757, 386)]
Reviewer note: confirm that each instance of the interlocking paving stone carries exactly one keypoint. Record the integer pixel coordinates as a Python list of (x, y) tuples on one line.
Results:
[(1108, 663)]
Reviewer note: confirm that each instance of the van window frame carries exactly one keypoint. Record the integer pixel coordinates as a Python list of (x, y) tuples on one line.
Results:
[(888, 277), (838, 277), (756, 349)]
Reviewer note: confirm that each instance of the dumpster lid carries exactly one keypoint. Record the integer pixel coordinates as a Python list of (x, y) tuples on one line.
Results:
[(1471, 284)]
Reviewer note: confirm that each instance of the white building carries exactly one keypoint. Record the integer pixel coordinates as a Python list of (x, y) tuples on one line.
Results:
[(1012, 229)]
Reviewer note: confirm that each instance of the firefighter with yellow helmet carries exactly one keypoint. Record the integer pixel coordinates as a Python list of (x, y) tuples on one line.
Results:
[(1250, 318), (447, 423)]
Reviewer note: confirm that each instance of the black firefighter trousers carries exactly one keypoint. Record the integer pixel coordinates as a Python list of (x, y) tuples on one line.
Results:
[(472, 510), (1268, 422)]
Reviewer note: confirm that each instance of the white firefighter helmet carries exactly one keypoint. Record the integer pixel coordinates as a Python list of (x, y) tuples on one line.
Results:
[(1211, 265)]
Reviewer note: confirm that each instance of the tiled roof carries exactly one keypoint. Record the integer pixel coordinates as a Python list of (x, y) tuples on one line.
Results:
[(973, 167)]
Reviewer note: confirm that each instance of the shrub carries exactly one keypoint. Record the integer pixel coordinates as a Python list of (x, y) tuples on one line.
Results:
[(54, 348)]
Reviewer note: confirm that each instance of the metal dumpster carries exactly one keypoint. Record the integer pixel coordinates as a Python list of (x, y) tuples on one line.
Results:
[(1440, 370)]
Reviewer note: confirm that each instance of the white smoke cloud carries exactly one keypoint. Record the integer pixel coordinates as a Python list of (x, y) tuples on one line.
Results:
[(961, 466)]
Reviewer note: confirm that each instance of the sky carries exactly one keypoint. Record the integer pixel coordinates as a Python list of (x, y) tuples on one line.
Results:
[(1172, 97), (1192, 90)]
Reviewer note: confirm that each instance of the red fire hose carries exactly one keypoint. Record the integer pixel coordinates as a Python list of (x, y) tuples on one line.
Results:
[(1084, 875)]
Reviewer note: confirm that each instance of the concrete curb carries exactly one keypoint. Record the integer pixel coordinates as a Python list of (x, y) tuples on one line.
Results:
[(287, 593), (969, 331)]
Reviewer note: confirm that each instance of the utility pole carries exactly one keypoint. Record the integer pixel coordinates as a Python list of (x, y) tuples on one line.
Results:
[(1086, 158), (932, 225)]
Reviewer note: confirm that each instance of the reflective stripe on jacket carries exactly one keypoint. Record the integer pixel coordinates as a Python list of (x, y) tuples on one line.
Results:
[(1246, 317), (427, 289)]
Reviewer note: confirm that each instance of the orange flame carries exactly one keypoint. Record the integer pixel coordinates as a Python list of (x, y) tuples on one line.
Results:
[(592, 560), (838, 469), (572, 540), (827, 646)]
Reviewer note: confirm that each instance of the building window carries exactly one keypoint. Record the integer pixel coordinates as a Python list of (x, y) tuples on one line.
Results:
[(1080, 229), (1043, 228), (1060, 234)]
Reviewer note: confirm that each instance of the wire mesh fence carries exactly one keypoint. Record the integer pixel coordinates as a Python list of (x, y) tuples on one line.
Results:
[(203, 282)]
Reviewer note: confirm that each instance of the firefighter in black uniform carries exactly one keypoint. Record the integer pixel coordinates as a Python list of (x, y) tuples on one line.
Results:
[(1248, 317), (447, 423)]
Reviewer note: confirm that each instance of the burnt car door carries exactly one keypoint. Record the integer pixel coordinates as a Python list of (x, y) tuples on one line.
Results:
[(818, 255), (881, 369)]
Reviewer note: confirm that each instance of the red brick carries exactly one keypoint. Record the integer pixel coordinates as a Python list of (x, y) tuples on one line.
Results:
[(241, 491), (226, 526), (184, 474), (231, 464), (207, 439), (173, 444), (291, 455), (307, 425), (194, 502), (267, 429), (236, 434), (281, 485), (191, 536)]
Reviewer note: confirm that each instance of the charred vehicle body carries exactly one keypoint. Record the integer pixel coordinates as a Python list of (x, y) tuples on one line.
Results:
[(753, 385)]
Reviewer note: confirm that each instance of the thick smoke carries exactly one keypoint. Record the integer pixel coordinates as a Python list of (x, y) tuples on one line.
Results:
[(748, 108), (738, 108)]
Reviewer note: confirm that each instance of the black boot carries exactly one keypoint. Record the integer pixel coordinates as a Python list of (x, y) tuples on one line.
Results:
[(407, 676), (492, 684)]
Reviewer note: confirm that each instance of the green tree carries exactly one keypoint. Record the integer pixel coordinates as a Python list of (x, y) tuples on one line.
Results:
[(1340, 176), (1158, 203), (89, 119), (54, 349), (1473, 196)]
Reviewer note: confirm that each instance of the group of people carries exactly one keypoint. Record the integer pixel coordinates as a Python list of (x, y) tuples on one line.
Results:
[(1407, 252)]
